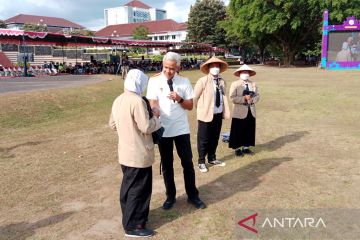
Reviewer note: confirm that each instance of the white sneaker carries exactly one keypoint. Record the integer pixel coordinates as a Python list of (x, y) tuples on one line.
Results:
[(203, 168), (217, 163)]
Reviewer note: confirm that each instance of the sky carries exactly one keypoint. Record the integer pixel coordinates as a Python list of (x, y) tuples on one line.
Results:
[(88, 13)]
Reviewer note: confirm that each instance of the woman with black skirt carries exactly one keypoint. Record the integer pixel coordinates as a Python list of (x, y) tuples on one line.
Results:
[(244, 95)]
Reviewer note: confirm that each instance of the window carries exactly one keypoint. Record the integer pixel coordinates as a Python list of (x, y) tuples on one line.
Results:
[(173, 36)]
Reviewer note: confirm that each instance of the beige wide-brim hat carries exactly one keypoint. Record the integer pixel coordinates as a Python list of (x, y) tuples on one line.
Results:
[(244, 68), (205, 66)]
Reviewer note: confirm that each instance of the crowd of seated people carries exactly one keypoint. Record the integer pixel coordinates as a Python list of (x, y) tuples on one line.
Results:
[(93, 67)]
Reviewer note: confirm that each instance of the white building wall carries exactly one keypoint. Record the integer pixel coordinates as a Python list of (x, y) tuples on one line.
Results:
[(177, 36), (152, 12), (125, 14), (117, 15)]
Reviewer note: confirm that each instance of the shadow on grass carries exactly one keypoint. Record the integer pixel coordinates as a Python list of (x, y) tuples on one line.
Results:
[(240, 180), (5, 152), (281, 141), (24, 230), (273, 144)]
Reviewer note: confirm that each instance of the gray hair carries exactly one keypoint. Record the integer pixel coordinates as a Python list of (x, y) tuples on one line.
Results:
[(172, 56)]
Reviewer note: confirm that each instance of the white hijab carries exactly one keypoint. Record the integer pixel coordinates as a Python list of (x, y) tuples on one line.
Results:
[(135, 81)]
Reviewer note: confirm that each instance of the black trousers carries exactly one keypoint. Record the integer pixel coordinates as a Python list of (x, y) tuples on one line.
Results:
[(135, 194), (183, 148), (208, 138)]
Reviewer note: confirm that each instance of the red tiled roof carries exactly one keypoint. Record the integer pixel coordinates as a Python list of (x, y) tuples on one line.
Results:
[(137, 4), (4, 60), (49, 21), (183, 26), (126, 30)]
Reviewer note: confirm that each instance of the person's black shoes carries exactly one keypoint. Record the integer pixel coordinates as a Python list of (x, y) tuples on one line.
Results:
[(197, 203), (169, 203), (139, 232), (247, 151), (239, 152)]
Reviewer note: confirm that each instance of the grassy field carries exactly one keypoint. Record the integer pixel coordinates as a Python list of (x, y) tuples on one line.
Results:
[(60, 176)]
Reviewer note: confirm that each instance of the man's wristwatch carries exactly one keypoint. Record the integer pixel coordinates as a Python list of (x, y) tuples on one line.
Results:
[(181, 100)]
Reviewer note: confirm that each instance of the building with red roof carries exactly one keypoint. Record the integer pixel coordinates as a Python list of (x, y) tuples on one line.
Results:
[(53, 24), (132, 12), (137, 4), (162, 30)]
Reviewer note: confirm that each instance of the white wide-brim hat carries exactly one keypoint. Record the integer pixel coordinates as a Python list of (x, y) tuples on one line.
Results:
[(244, 68)]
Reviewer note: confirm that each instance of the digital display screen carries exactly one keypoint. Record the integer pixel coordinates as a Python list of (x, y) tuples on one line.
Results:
[(344, 46)]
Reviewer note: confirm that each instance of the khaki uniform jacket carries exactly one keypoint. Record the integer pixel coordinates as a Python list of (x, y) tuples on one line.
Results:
[(130, 118), (204, 98), (236, 90)]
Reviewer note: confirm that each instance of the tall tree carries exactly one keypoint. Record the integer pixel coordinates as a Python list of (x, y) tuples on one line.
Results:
[(35, 27), (203, 22), (2, 24), (141, 33), (292, 25)]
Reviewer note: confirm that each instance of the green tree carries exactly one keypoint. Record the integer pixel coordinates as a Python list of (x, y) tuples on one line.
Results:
[(141, 33), (2, 24), (34, 27), (292, 25), (80, 32), (203, 22)]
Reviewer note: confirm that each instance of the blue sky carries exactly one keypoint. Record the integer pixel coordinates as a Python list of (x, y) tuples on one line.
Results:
[(88, 13)]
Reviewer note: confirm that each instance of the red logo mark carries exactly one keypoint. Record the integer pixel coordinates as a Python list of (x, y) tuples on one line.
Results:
[(253, 217)]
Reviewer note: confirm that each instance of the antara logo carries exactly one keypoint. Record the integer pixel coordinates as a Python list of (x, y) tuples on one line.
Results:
[(285, 222), (242, 223)]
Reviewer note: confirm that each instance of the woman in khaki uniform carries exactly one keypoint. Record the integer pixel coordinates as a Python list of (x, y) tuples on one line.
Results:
[(130, 118), (244, 95), (212, 106)]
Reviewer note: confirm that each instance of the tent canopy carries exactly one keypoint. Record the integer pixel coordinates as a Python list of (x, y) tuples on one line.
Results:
[(57, 39)]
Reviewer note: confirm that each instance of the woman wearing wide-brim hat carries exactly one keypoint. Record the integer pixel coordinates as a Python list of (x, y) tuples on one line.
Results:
[(212, 106), (244, 95)]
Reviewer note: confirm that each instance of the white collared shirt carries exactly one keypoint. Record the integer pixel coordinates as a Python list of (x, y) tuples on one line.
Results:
[(172, 116), (249, 85)]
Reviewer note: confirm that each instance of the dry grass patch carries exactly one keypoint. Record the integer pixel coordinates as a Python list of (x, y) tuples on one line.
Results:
[(60, 175)]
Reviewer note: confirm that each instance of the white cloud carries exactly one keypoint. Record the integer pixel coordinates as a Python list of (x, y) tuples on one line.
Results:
[(176, 11), (87, 12), (94, 24)]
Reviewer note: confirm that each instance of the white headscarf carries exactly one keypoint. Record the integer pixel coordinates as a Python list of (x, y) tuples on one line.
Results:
[(135, 81)]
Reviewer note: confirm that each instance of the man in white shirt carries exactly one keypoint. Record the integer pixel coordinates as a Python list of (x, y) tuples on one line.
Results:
[(173, 95)]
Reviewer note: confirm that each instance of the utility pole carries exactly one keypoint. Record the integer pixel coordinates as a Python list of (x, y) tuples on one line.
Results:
[(25, 56)]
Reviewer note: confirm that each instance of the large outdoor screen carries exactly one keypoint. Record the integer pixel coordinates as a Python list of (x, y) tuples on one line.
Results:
[(344, 46)]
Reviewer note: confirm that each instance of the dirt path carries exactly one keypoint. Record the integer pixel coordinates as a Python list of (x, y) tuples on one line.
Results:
[(22, 84)]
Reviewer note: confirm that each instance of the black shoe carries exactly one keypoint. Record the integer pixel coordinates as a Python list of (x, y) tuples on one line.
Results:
[(197, 203), (169, 203), (239, 152), (248, 151), (139, 232)]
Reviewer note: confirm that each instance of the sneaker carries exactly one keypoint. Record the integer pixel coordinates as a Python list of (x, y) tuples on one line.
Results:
[(217, 163), (139, 232), (239, 153), (203, 168), (247, 151), (197, 203)]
